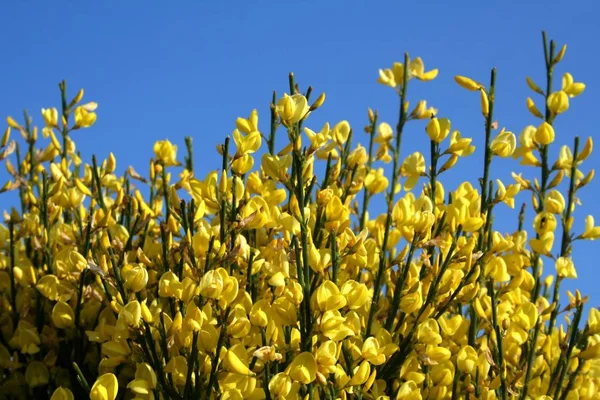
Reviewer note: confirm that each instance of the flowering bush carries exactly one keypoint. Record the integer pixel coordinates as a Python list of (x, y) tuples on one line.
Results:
[(263, 280)]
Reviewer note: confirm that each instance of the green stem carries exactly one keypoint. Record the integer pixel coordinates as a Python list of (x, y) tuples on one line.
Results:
[(563, 364), (566, 234), (191, 362), (334, 257), (499, 350), (434, 151), (271, 141), (298, 160), (393, 310), (488, 134), (390, 200), (224, 195), (11, 271), (96, 179), (81, 378), (366, 194), (165, 188), (189, 160), (548, 56), (215, 362)]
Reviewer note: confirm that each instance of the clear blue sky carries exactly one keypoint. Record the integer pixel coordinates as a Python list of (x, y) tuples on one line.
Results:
[(171, 69)]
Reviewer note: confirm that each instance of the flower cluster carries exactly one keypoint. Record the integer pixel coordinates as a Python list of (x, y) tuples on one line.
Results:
[(263, 280)]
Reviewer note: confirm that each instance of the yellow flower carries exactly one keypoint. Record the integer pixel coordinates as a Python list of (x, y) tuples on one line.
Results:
[(135, 277), (166, 153), (544, 244), (565, 268), (504, 144), (533, 109), (533, 86), (129, 316), (284, 312), (587, 149), (49, 287), (393, 77), (62, 315), (467, 83), (558, 102), (375, 181), (248, 125), (357, 157), (50, 116), (361, 374), (423, 221), (247, 144), (292, 109), (169, 285), (413, 167), (438, 129), (333, 326), (320, 139), (412, 301), (417, 69), (85, 116), (177, 367), (409, 391), (571, 88), (303, 368), (280, 385), (485, 102), (467, 360), (328, 297), (385, 133), (341, 132), (106, 387), (26, 338), (261, 313), (459, 145), (555, 202), (37, 374), (591, 232), (592, 352), (357, 294), (497, 269), (544, 134), (337, 213), (235, 360), (62, 393), (422, 112), (429, 332)]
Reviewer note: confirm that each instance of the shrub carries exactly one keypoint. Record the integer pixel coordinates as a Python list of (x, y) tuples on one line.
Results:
[(264, 280)]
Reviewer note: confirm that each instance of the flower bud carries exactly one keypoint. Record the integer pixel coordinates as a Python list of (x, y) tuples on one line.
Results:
[(438, 129), (558, 102), (318, 103), (560, 54), (135, 277), (62, 315), (533, 86), (62, 394), (544, 135), (504, 144), (485, 102), (467, 83), (533, 109)]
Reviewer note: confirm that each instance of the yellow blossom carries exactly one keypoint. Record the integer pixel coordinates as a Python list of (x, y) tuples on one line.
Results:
[(106, 387), (504, 144), (165, 152)]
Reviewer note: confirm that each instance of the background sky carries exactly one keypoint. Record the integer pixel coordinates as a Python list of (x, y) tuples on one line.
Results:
[(168, 70)]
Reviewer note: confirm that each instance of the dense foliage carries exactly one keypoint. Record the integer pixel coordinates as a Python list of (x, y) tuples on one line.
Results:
[(264, 280)]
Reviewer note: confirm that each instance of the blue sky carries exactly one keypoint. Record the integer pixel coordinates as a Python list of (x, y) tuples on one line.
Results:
[(168, 70)]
